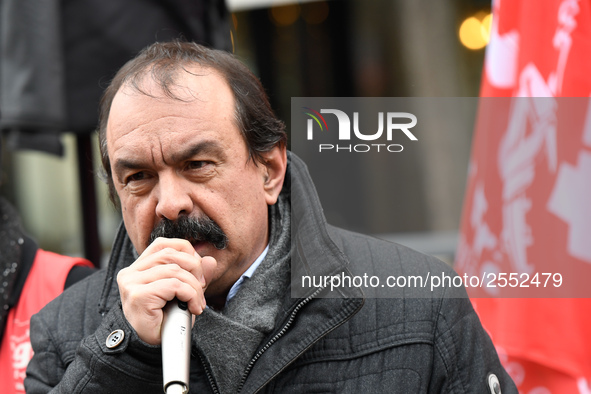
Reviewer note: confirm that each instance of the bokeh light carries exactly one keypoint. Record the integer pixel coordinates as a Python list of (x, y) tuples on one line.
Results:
[(474, 32)]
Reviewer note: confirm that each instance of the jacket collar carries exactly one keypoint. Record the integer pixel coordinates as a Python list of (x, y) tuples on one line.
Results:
[(314, 253)]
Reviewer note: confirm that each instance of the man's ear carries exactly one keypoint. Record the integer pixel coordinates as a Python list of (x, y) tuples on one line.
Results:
[(275, 162)]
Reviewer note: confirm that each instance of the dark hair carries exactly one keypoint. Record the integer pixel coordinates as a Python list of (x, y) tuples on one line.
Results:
[(256, 120)]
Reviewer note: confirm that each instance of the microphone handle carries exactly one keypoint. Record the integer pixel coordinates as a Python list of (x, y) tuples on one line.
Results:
[(176, 347)]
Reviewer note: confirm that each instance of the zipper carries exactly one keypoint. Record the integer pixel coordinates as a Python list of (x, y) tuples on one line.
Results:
[(277, 336), (212, 382)]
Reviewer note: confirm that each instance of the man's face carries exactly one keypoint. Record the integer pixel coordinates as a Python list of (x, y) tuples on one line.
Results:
[(171, 158)]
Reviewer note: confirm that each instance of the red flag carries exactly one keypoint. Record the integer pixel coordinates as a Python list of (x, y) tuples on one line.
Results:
[(528, 201)]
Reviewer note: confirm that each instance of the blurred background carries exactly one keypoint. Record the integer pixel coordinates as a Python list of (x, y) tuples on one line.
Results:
[(341, 48)]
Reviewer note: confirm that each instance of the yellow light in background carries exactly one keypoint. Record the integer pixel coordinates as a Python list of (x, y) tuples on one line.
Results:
[(285, 15), (474, 31)]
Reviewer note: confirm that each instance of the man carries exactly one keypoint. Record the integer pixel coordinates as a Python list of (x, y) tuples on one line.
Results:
[(209, 196)]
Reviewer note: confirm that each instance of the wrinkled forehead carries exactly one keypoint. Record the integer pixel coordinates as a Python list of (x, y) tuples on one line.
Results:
[(197, 94)]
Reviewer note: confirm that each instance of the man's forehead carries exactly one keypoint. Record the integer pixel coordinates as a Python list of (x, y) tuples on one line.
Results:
[(195, 94), (193, 91), (183, 84)]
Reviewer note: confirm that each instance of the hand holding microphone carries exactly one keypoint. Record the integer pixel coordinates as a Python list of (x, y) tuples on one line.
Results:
[(168, 269)]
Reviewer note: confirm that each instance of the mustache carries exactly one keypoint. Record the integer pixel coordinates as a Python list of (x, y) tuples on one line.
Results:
[(192, 229)]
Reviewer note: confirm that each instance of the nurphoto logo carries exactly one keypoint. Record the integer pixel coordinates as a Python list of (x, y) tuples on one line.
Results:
[(395, 122)]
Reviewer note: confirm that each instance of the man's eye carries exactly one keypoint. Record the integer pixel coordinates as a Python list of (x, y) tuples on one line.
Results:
[(138, 176), (195, 165)]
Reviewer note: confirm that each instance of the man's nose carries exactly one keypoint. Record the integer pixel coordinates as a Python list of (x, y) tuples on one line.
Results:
[(174, 198)]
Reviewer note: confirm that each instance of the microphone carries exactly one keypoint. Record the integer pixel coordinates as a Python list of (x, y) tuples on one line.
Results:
[(176, 347)]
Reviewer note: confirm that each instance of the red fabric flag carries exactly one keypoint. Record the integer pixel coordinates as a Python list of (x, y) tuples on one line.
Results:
[(528, 201)]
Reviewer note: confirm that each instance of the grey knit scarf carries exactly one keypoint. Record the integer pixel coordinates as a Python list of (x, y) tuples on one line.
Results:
[(227, 340)]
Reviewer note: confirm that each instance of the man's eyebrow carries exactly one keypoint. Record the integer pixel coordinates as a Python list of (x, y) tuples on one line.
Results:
[(208, 146), (127, 164)]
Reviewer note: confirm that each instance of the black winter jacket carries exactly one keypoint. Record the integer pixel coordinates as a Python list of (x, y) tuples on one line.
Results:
[(342, 344)]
